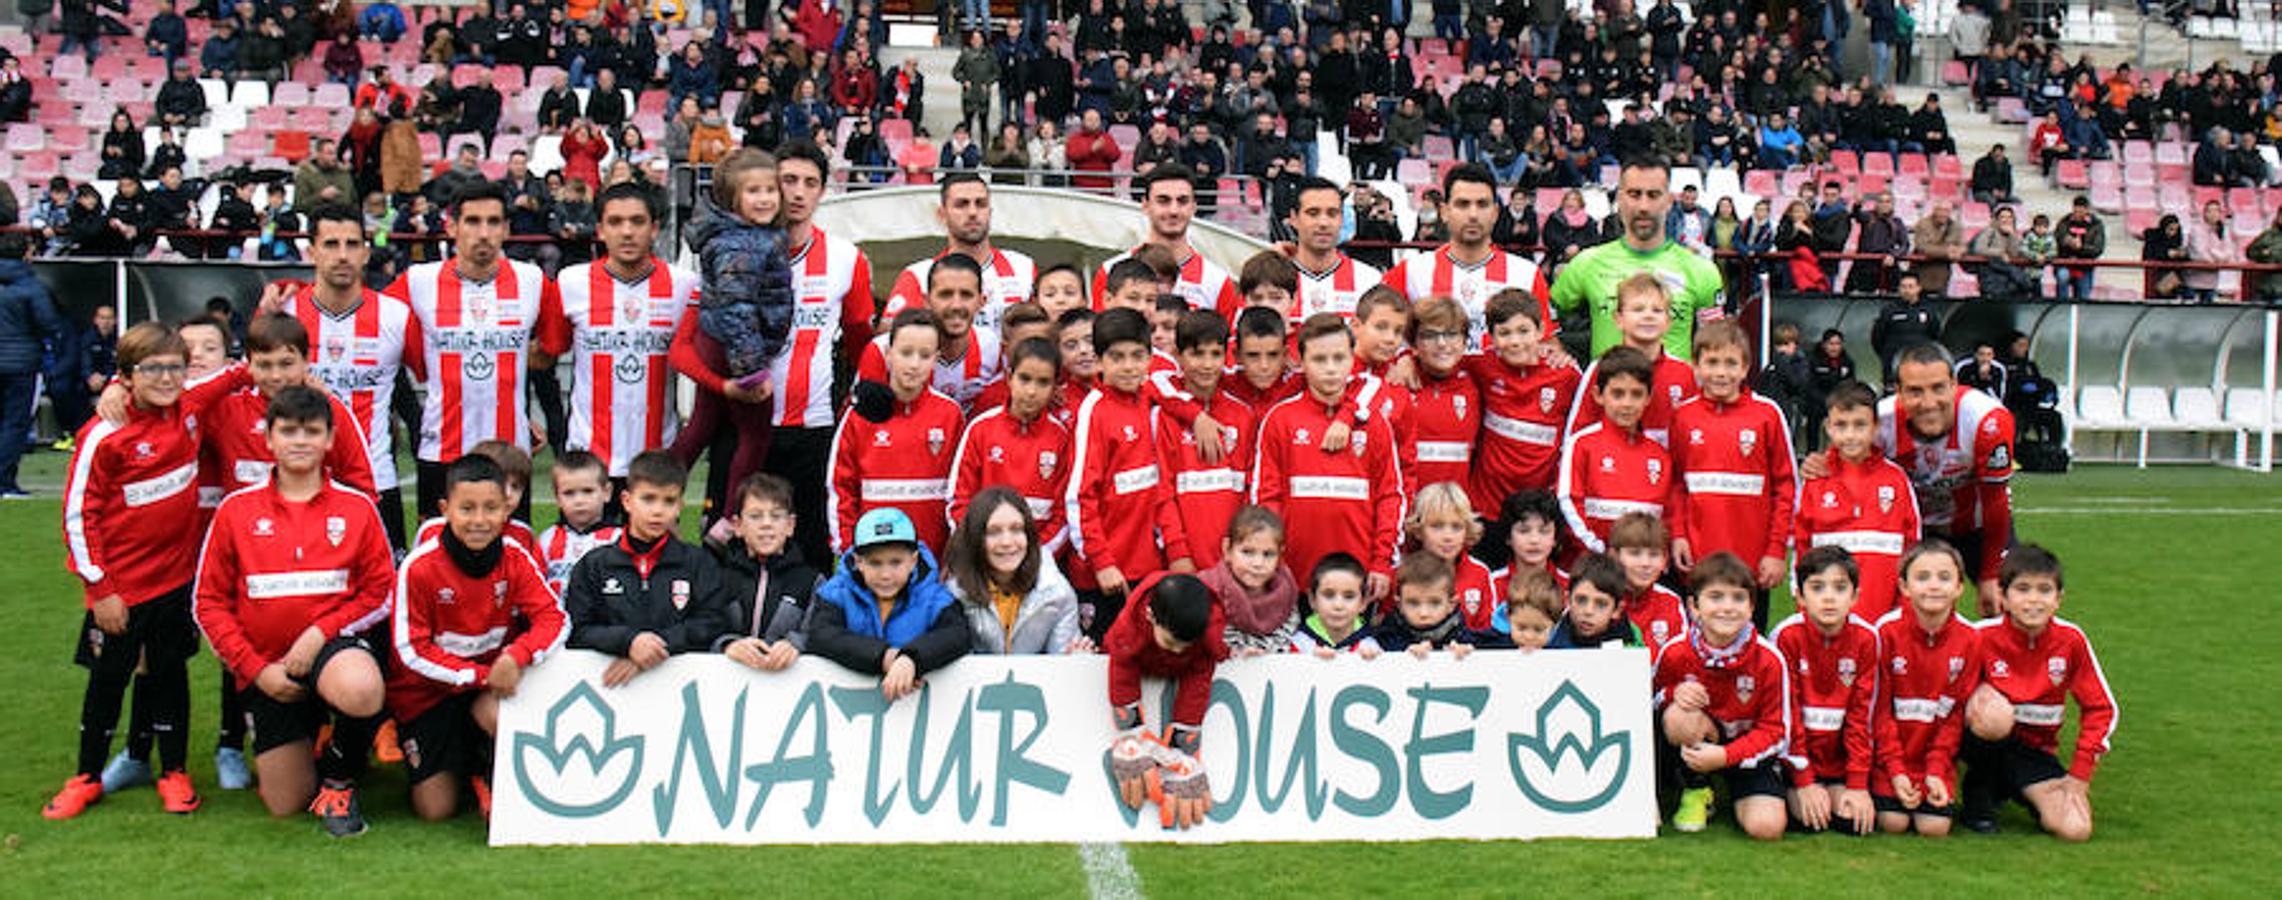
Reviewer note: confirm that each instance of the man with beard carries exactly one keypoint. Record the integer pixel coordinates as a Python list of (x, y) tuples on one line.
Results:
[(1329, 280), (1470, 269), (1168, 199), (964, 209), (1643, 199), (966, 357)]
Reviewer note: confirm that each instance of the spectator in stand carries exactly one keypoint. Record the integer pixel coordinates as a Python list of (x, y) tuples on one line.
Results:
[(960, 153), (1992, 181), (855, 85), (1878, 231), (2166, 242), (1498, 149), (679, 129), (1049, 154), (382, 94), (344, 60), (1051, 79), (807, 116), (1366, 139), (1091, 149), (479, 107), (2004, 269), (1688, 223), (758, 114), (606, 105), (167, 35), (1518, 223), (583, 150), (261, 51), (1929, 128), (1969, 38), (1406, 130), (181, 102), (233, 216), (274, 219), (1008, 155), (692, 75), (1204, 156), (1754, 237), (218, 57), (2081, 236), (2266, 249), (2214, 159), (918, 159), (382, 21), (2246, 166), (865, 151), (1939, 240), (710, 141), (130, 216), (1795, 237), (84, 24), (977, 73), (122, 148), (1779, 143), (1568, 230), (1833, 226)]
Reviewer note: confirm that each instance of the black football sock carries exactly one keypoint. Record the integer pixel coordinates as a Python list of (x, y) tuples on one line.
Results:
[(347, 753), (231, 734)]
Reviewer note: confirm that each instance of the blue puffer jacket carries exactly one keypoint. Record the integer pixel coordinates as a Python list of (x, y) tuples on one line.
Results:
[(927, 624), (27, 318), (746, 303)]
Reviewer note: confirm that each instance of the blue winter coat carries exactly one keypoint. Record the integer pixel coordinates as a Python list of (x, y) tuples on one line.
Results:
[(927, 624), (746, 300), (27, 319)]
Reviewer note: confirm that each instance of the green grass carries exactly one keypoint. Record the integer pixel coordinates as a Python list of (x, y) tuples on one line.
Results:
[(2173, 600)]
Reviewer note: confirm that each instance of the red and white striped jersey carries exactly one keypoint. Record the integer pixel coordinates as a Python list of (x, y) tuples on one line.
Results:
[(620, 335), (561, 546), (357, 354), (1203, 283), (1008, 277), (832, 303), (1963, 479), (961, 379), (476, 340), (1440, 274), (1335, 290)]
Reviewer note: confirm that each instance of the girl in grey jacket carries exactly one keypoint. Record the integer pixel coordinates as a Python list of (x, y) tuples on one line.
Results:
[(1015, 598)]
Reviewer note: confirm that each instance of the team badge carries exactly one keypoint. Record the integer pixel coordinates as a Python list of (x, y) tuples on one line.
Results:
[(1747, 438), (1845, 670), (1743, 688), (1131, 435), (1675, 392), (881, 439), (143, 450), (2057, 669), (611, 586), (445, 596), (1473, 601), (935, 442), (1695, 437), (335, 349), (1956, 667), (1655, 470), (681, 594), (263, 527), (1901, 665), (499, 594), (479, 308), (1830, 499), (631, 308), (1998, 669), (2000, 457), (336, 528), (1885, 498), (1358, 442), (1546, 398), (1458, 405), (1299, 436), (1046, 462), (1659, 630)]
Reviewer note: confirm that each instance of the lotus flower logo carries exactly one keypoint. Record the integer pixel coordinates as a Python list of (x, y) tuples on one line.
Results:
[(1566, 767), (582, 767)]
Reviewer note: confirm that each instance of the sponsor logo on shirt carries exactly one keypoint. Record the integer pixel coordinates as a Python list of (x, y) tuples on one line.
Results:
[(153, 490), (277, 585)]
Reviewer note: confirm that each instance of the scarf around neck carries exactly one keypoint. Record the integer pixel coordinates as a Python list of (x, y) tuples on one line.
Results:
[(1249, 612)]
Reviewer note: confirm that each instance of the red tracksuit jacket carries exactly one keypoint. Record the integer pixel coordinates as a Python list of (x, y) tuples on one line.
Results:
[(450, 627), (130, 505), (1445, 420), (1119, 502), (236, 444), (1660, 614), (1133, 655), (1031, 457), (1477, 593), (1869, 509), (903, 463), (1735, 487), (271, 568), (1350, 501), (1607, 472), (1919, 717), (2038, 674), (1833, 682), (1525, 413), (1750, 690), (1207, 495), (1234, 384), (1674, 383), (434, 525)]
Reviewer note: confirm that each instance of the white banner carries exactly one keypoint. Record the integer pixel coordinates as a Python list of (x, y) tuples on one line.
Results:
[(702, 750)]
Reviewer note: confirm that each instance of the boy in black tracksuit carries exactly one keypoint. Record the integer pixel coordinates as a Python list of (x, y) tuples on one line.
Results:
[(769, 581), (647, 595)]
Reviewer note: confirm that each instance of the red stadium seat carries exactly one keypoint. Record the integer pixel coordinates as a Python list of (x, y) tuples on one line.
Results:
[(1847, 162), (2072, 174), (2243, 198), (1950, 165), (292, 145), (1760, 182), (1954, 73), (1914, 164), (2108, 198), (1878, 164)]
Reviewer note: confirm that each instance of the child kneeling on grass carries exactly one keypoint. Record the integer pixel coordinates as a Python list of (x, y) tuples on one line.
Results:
[(456, 660), (887, 612), (1725, 698), (2034, 661)]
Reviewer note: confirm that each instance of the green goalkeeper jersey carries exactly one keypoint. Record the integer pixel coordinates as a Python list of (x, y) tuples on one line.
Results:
[(1590, 280)]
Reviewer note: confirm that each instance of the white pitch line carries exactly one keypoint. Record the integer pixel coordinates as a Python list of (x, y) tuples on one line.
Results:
[(2173, 511), (1109, 875)]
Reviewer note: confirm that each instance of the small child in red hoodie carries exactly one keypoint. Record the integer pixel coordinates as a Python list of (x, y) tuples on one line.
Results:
[(1172, 629), (1930, 661)]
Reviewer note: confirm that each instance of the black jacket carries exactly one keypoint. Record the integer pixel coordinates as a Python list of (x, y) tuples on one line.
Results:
[(1901, 325), (778, 614), (685, 599)]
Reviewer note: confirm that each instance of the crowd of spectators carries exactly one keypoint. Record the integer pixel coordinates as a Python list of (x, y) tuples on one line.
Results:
[(1544, 95)]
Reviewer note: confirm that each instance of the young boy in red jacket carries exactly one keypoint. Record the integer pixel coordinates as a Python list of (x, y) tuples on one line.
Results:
[(1733, 484), (1350, 500), (1725, 697), (1207, 492), (124, 478), (894, 446), (1638, 542), (1528, 388), (1263, 376), (1446, 407), (1644, 314), (1929, 663), (1864, 505), (457, 659), (1608, 468), (2033, 661), (1122, 521), (1019, 444), (1172, 629), (293, 573), (1835, 656)]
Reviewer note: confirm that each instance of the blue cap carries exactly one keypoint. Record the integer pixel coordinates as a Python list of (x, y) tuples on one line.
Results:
[(885, 526)]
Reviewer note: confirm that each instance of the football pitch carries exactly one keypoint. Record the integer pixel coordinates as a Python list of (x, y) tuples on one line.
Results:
[(2168, 571)]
